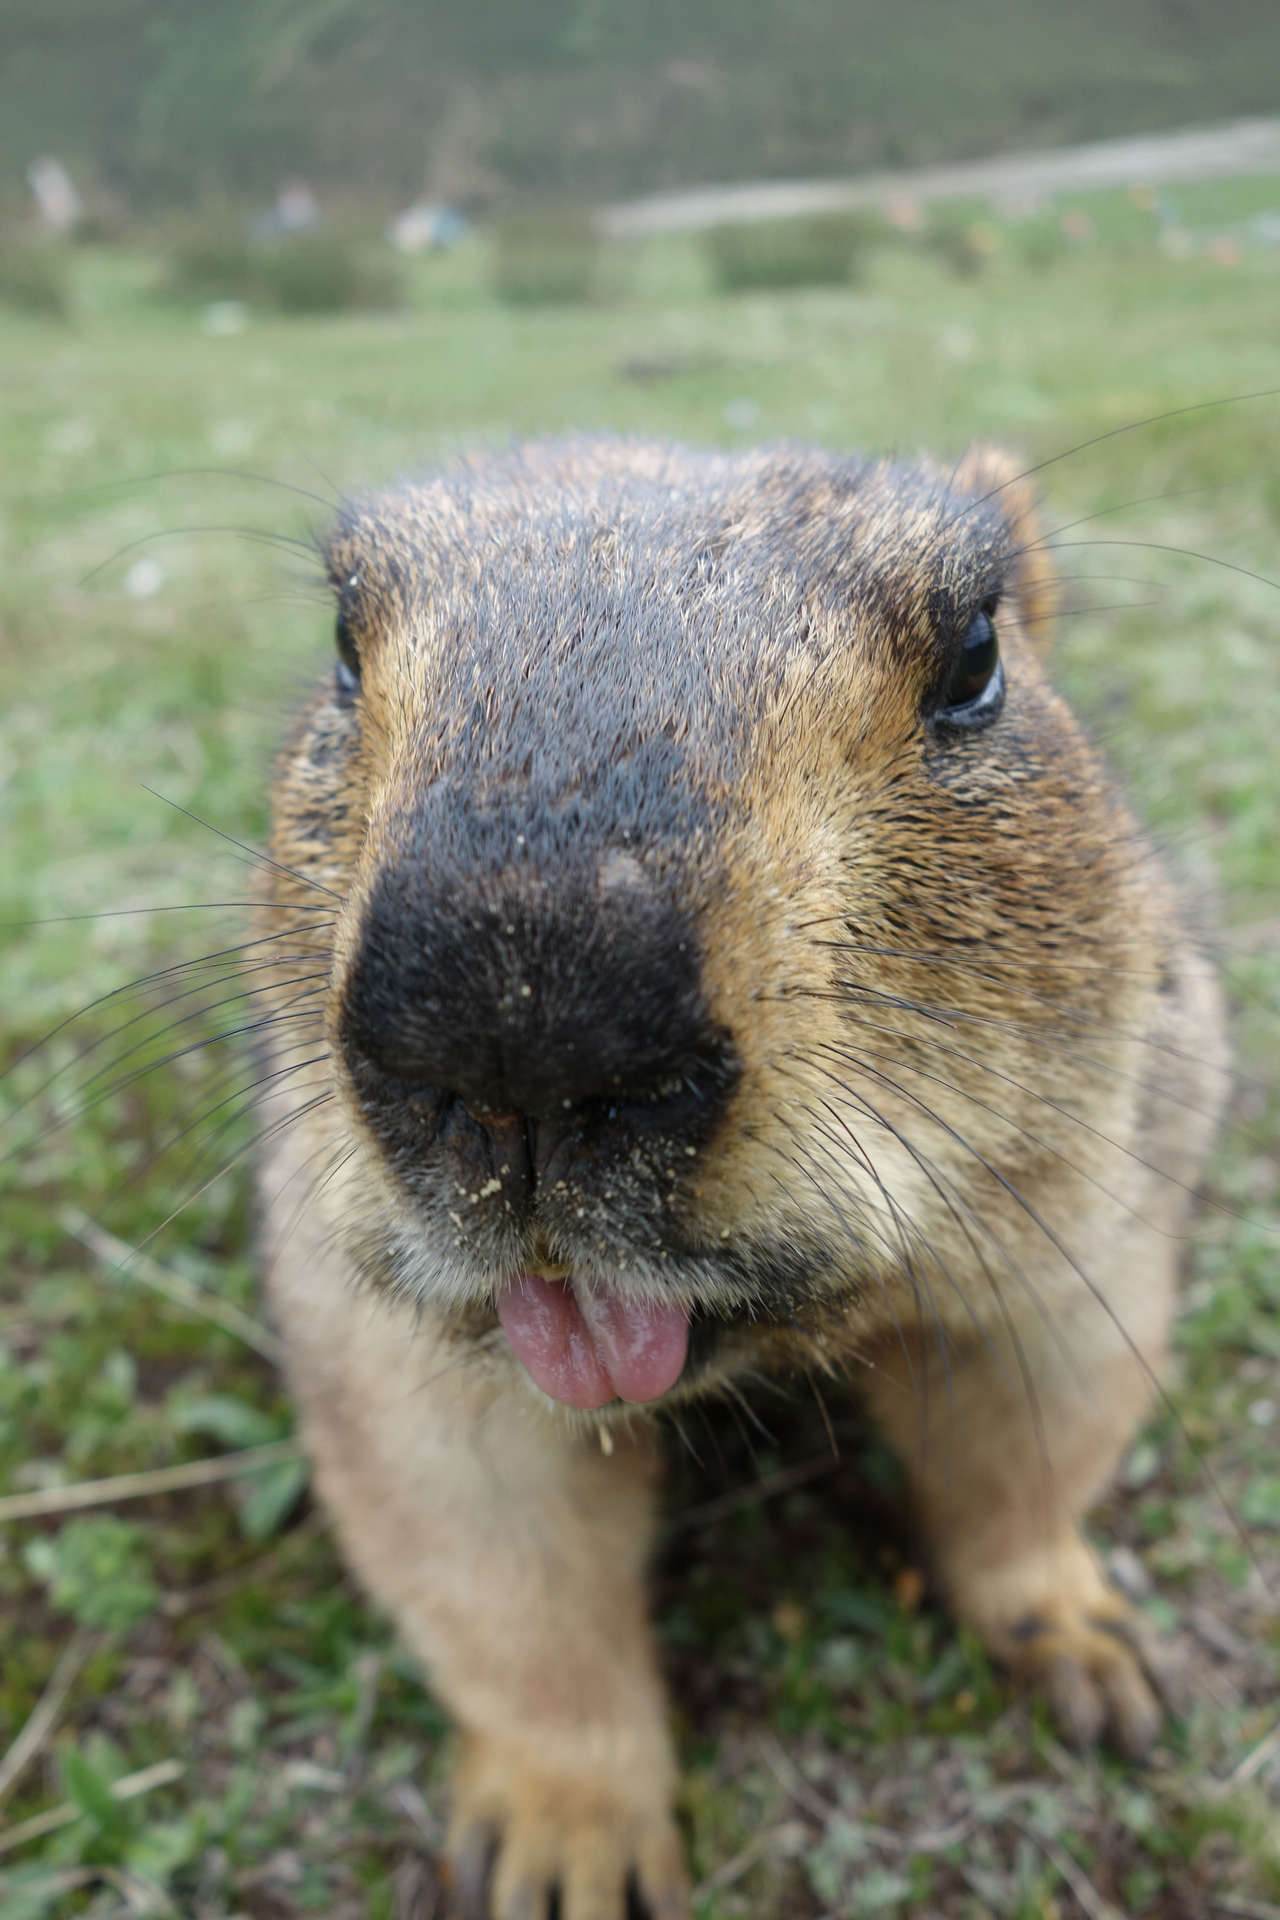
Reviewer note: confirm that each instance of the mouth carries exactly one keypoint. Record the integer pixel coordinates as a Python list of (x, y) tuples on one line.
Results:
[(587, 1349)]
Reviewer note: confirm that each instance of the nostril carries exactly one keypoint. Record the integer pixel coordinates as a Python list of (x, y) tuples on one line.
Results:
[(489, 1154), (383, 1086), (680, 1104), (509, 1133)]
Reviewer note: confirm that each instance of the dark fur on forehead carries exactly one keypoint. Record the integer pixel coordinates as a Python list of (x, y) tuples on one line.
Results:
[(576, 562)]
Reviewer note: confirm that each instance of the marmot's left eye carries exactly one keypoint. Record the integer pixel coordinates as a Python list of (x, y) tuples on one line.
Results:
[(348, 670), (974, 688)]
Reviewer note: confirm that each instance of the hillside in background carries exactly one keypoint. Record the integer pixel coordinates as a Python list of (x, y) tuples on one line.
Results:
[(588, 99)]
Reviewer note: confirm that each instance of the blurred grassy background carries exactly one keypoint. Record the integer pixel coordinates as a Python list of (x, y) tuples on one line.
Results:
[(166, 429), (594, 98)]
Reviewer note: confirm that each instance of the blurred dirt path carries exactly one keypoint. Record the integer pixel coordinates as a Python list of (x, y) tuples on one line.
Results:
[(1200, 153)]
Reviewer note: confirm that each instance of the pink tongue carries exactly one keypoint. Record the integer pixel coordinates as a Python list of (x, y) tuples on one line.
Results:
[(589, 1350)]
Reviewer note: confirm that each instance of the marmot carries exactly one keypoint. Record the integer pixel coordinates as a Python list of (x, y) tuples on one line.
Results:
[(725, 956)]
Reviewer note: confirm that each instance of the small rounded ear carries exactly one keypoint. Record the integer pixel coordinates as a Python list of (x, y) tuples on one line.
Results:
[(991, 474)]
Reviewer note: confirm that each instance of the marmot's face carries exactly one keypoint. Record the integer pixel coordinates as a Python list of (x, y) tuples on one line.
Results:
[(696, 822)]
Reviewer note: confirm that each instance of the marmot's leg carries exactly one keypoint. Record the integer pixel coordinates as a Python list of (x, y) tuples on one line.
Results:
[(1008, 1440), (511, 1551)]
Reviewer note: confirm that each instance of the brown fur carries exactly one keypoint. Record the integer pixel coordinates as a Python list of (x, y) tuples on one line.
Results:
[(977, 1072)]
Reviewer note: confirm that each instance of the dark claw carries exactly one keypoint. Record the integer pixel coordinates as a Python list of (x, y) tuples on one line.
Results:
[(473, 1872), (1126, 1628), (637, 1905), (1075, 1702), (1158, 1659), (530, 1905)]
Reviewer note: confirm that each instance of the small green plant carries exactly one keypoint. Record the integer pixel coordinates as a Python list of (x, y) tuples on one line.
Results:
[(267, 1498), (331, 269), (208, 255), (963, 241), (545, 259), (35, 276), (820, 250), (338, 267), (1037, 243), (97, 1569)]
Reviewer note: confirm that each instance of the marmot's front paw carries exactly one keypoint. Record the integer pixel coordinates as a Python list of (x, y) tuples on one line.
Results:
[(1103, 1669), (526, 1845), (1104, 1672)]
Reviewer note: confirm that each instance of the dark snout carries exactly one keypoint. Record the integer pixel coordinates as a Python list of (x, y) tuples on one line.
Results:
[(531, 1011)]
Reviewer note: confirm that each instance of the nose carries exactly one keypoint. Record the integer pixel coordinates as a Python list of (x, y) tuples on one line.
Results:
[(552, 1012)]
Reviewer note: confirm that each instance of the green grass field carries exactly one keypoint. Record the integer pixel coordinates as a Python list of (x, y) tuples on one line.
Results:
[(220, 1726)]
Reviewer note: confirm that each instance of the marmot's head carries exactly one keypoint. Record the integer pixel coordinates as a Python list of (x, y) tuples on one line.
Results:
[(723, 894)]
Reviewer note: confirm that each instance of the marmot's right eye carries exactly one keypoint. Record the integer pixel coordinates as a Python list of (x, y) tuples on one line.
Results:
[(974, 689), (347, 672), (348, 669)]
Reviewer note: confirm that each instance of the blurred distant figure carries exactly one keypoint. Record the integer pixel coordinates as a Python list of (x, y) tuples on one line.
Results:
[(296, 210), (61, 208), (422, 228)]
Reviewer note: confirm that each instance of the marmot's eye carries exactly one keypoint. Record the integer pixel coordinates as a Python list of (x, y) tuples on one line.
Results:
[(348, 669), (974, 689), (346, 674)]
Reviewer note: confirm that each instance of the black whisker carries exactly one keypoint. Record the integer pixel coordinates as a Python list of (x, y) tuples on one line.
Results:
[(135, 986), (338, 1157), (127, 913), (251, 1146), (104, 1094), (1186, 553), (241, 1094), (1055, 1106), (945, 1188), (823, 1411), (1010, 982), (1115, 433), (1142, 500), (328, 502), (947, 1016), (241, 973), (961, 1213), (154, 1036), (256, 536), (911, 1232), (1079, 610), (258, 859), (1056, 1241), (910, 1237)]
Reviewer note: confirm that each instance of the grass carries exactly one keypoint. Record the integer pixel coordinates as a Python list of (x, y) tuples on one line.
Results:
[(821, 250), (229, 1730), (339, 266), (544, 258), (35, 276)]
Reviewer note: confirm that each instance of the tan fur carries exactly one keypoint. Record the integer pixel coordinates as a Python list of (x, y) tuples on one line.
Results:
[(979, 1060)]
